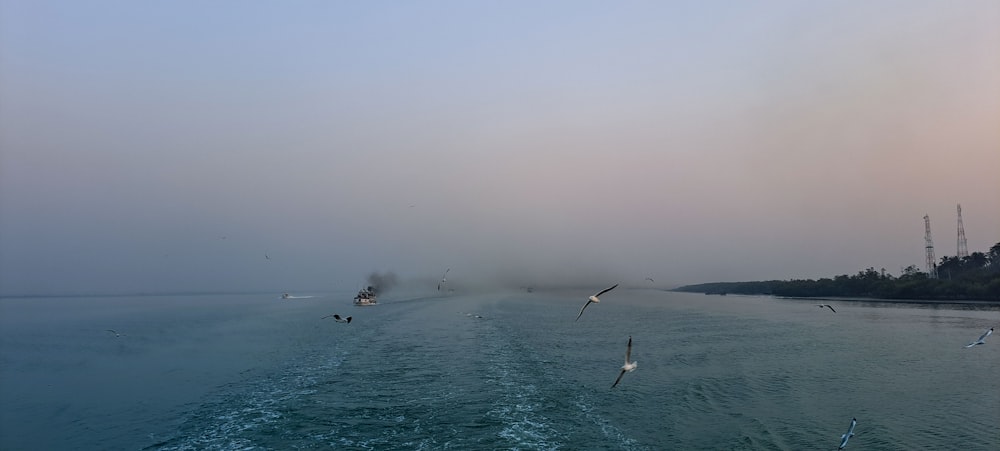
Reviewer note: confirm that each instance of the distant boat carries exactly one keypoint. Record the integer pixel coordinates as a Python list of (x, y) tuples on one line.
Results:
[(366, 297), (285, 295)]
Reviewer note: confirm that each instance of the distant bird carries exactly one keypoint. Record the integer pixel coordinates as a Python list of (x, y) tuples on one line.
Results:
[(981, 340), (650, 279), (117, 335), (827, 306), (266, 257), (338, 319), (594, 299), (628, 367), (850, 433), (444, 278)]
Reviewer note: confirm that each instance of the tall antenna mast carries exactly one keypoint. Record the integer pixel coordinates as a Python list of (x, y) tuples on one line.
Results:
[(963, 247), (929, 247)]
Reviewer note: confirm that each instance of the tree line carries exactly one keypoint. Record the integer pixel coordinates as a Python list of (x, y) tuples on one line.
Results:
[(975, 277)]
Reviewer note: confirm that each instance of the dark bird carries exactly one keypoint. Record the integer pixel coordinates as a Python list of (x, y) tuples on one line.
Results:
[(628, 367), (827, 306), (594, 299), (117, 335), (338, 319)]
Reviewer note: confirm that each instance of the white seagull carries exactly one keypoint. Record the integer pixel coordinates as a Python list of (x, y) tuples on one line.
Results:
[(981, 340), (850, 433), (117, 335), (827, 306), (628, 367), (594, 299), (444, 278), (338, 319)]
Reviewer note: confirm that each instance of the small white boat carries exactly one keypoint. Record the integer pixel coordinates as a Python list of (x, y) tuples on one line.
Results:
[(285, 296), (366, 297)]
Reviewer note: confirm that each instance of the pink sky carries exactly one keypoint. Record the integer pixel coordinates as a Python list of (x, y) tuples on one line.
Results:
[(689, 142)]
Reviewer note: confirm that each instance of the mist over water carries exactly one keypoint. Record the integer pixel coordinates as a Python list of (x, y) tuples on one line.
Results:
[(507, 370)]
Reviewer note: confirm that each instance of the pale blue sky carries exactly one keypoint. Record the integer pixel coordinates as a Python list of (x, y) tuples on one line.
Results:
[(582, 142)]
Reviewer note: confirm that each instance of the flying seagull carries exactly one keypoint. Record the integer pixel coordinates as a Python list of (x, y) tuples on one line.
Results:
[(850, 433), (981, 340), (650, 279), (444, 278), (827, 306), (266, 257), (338, 319), (594, 299), (117, 335), (628, 367)]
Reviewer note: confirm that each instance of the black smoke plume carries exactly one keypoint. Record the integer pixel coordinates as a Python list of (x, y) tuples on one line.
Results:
[(381, 283)]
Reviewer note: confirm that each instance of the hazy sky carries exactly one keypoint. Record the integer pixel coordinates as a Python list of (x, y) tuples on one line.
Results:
[(583, 142)]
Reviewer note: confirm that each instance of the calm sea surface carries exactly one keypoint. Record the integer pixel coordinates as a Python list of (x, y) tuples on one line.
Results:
[(498, 371)]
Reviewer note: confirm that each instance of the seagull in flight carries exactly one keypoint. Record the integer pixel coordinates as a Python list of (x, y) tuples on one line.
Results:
[(594, 299), (850, 433), (628, 367), (827, 306), (338, 319), (444, 278), (117, 335), (650, 279), (981, 340), (266, 257)]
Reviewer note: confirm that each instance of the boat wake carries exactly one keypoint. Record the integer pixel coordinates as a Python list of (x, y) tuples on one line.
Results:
[(245, 412)]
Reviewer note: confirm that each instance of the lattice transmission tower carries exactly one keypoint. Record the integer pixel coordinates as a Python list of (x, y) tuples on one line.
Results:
[(929, 248), (963, 247)]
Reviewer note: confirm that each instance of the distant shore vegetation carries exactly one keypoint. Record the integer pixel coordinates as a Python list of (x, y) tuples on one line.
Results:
[(975, 277)]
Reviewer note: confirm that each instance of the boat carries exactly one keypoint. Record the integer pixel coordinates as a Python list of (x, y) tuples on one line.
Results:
[(285, 296), (366, 297)]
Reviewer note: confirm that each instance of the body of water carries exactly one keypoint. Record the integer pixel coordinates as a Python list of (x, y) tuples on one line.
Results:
[(495, 371)]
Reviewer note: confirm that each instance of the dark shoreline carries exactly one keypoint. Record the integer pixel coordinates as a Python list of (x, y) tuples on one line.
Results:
[(896, 301), (980, 302)]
